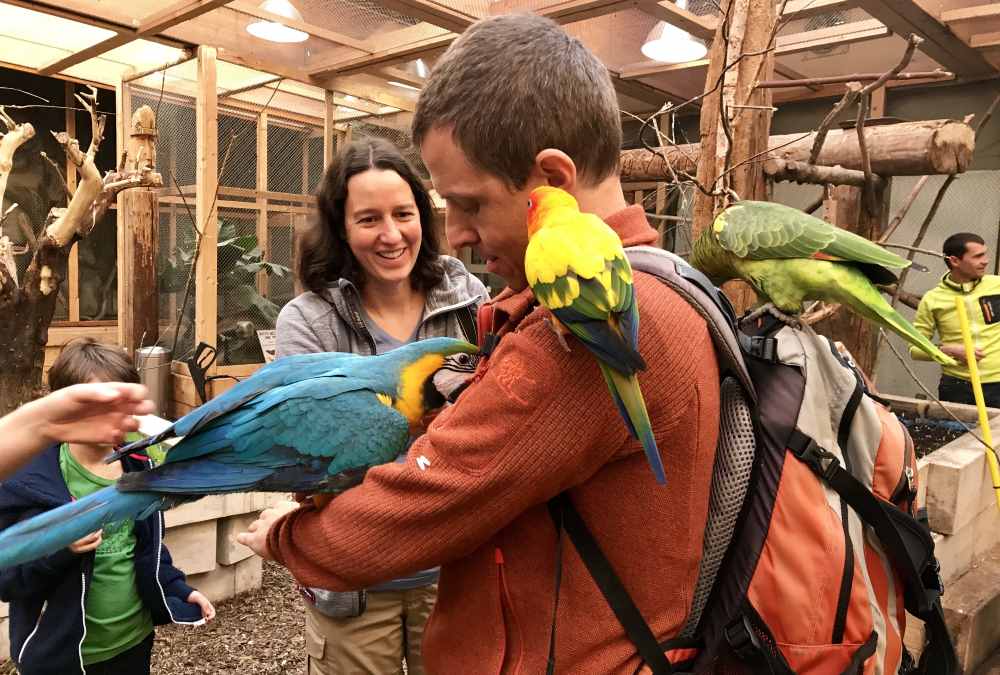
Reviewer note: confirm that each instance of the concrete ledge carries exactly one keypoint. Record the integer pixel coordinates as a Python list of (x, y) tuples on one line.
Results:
[(958, 551), (206, 508), (958, 484), (192, 546), (228, 551), (972, 610), (227, 581)]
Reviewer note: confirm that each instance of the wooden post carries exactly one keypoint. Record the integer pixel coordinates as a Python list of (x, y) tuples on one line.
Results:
[(724, 163), (138, 231), (262, 239), (843, 209), (328, 128), (73, 267), (206, 213), (877, 105)]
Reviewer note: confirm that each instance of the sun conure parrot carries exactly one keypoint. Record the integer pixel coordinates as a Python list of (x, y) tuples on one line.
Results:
[(788, 256), (577, 269), (304, 423)]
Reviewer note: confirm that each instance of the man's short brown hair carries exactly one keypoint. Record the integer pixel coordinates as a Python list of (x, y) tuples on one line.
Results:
[(513, 85), (85, 359)]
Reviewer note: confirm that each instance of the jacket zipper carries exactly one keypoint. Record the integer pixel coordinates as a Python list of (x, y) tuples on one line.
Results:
[(163, 593), (507, 606), (83, 617), (38, 622), (904, 488)]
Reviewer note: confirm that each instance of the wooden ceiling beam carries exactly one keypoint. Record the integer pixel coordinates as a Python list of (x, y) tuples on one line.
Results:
[(369, 93), (152, 25), (906, 17), (400, 75), (699, 26), (252, 9), (804, 9), (786, 44), (971, 13), (985, 40), (384, 57), (431, 12), (572, 11), (54, 9), (844, 34)]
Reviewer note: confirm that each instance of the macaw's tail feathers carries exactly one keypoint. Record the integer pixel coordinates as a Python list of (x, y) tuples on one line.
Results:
[(54, 530), (628, 397), (874, 307)]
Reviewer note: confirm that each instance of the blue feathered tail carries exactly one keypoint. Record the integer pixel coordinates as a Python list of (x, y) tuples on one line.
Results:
[(53, 530)]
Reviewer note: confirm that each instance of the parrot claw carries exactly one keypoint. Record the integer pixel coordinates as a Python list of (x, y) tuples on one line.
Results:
[(559, 333), (769, 308)]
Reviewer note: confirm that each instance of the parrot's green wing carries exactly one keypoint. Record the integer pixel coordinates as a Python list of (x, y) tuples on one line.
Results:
[(764, 230)]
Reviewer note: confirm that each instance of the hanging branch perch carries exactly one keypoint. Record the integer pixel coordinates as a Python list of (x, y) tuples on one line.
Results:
[(856, 77), (850, 96)]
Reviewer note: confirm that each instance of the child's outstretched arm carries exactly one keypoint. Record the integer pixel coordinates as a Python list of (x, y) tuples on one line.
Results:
[(84, 413)]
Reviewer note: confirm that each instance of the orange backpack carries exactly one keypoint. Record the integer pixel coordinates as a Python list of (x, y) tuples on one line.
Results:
[(812, 551)]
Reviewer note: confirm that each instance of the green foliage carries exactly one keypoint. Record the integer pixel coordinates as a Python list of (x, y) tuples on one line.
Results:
[(241, 308)]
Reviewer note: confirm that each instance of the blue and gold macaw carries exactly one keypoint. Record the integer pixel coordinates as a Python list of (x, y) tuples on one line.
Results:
[(307, 423), (577, 269)]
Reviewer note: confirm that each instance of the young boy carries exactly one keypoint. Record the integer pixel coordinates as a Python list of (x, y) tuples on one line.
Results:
[(91, 607)]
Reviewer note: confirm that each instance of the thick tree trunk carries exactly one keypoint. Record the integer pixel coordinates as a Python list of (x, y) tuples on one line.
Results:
[(735, 118), (24, 325), (904, 149)]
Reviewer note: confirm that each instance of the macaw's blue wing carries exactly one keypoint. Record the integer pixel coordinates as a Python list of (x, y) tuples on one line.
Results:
[(309, 440), (282, 372)]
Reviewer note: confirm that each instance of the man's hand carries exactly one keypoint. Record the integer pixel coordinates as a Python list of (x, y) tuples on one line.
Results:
[(957, 351), (99, 413), (86, 544), (255, 538), (207, 610)]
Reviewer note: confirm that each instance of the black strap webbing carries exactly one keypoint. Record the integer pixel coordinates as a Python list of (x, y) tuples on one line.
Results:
[(561, 509), (907, 543)]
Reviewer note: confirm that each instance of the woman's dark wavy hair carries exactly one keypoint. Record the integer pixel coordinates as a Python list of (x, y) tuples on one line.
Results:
[(325, 256)]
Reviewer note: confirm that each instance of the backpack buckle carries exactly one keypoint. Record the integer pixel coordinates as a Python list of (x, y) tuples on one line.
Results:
[(742, 639), (823, 462), (762, 347)]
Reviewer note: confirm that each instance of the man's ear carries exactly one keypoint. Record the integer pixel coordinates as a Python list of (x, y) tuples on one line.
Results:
[(556, 168)]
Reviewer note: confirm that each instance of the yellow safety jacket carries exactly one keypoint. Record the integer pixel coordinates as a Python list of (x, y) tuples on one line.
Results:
[(937, 313)]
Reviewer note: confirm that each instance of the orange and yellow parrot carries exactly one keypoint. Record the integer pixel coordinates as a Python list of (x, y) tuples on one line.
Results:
[(577, 269)]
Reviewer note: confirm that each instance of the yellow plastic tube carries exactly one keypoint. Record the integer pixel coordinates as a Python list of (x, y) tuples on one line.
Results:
[(977, 391)]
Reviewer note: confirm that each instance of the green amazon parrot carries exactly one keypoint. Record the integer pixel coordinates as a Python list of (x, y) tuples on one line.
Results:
[(788, 256), (577, 269)]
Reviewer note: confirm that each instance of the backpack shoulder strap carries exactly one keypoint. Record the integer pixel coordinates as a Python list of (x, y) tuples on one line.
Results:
[(699, 292)]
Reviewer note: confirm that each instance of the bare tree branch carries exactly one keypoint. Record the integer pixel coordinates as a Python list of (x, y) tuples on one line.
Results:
[(850, 96), (903, 210)]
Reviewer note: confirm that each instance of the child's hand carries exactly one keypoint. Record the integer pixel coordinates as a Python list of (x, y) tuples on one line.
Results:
[(86, 544), (207, 610)]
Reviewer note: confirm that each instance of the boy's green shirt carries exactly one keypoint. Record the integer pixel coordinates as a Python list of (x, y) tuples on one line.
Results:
[(116, 619), (937, 313)]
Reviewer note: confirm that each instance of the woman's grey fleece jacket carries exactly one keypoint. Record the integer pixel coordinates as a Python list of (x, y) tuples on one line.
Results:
[(333, 322)]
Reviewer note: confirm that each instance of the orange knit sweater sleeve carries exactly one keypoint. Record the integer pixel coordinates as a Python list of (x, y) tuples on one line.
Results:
[(539, 421)]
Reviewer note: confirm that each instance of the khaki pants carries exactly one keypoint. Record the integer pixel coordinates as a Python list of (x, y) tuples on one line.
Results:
[(375, 643)]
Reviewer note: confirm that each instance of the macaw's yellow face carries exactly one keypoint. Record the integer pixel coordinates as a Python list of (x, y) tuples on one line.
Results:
[(482, 211)]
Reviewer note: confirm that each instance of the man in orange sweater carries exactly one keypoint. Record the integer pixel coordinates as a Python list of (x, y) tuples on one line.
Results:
[(516, 103)]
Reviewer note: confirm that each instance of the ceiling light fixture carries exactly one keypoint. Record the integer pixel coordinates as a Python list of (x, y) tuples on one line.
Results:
[(278, 32), (669, 44)]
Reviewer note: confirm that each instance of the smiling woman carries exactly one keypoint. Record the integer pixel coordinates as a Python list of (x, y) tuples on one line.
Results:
[(376, 281)]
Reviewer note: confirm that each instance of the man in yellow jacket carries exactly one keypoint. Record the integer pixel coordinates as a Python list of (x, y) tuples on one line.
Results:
[(966, 258)]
